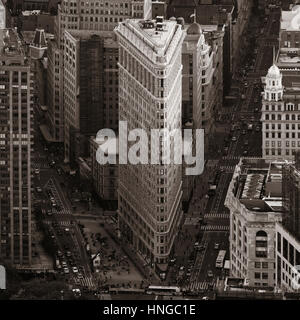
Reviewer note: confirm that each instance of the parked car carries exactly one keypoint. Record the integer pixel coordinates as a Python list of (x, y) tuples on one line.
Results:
[(66, 270), (38, 189), (74, 269), (63, 263)]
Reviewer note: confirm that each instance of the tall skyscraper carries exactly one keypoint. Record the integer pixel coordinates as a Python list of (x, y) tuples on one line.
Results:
[(92, 15), (16, 140), (150, 97), (90, 88)]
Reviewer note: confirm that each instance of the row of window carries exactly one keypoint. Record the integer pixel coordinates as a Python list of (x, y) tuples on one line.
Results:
[(288, 135), (279, 152), (287, 144), (281, 117)]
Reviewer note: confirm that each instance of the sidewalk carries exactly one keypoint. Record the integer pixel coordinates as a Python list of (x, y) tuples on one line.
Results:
[(135, 258), (115, 269)]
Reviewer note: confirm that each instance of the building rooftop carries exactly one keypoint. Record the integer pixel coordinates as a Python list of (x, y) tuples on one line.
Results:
[(10, 44), (87, 34), (291, 82), (158, 33), (157, 39), (287, 58), (205, 13), (290, 20), (108, 36), (258, 184)]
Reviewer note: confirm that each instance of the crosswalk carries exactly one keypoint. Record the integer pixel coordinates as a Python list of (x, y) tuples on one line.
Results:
[(214, 228), (62, 211), (40, 164), (87, 282), (227, 168), (191, 221), (201, 286), (65, 223), (231, 157), (238, 157), (216, 216)]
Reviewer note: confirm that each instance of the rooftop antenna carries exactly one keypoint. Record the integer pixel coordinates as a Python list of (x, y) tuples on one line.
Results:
[(273, 55), (195, 12), (193, 15)]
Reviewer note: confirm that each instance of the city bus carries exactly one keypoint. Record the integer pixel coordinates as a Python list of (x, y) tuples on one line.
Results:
[(163, 290), (220, 259)]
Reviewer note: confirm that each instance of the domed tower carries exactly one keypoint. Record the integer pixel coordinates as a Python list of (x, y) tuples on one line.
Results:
[(194, 29), (273, 88), (273, 118)]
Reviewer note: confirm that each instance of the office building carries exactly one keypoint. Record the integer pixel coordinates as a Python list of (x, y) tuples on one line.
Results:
[(230, 16), (90, 15), (280, 114), (288, 232), (16, 141), (90, 88), (150, 96), (289, 40), (17, 6), (254, 199), (197, 88)]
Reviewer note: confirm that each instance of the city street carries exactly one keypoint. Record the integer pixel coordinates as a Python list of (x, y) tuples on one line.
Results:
[(202, 275)]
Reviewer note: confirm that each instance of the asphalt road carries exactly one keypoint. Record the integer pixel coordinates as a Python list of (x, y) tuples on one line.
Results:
[(244, 112), (62, 224)]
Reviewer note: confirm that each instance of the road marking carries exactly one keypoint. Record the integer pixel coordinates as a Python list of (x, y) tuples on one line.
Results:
[(214, 228), (217, 216)]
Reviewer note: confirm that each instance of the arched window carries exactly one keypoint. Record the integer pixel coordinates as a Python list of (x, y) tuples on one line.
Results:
[(261, 243), (261, 233), (287, 117)]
